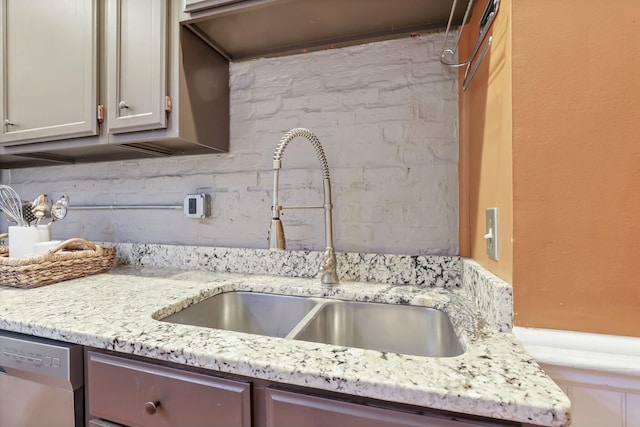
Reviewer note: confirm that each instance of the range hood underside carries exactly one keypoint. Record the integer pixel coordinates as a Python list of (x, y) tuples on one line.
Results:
[(263, 28)]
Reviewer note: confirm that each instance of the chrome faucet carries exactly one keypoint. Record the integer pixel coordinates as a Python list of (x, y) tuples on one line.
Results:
[(329, 272)]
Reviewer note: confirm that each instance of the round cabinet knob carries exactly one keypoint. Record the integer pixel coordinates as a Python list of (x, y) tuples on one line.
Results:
[(8, 122), (122, 105), (151, 407)]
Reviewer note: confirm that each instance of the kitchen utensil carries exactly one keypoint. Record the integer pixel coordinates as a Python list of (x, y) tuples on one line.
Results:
[(27, 215), (59, 208), (41, 207), (11, 205)]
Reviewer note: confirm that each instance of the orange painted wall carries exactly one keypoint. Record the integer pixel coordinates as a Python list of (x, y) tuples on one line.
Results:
[(576, 162), (486, 145), (572, 77)]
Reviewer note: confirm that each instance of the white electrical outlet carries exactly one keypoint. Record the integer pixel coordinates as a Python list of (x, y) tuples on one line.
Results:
[(197, 206), (491, 236)]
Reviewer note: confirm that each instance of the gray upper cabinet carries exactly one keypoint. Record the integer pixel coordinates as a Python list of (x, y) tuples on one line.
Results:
[(96, 80), (49, 70), (136, 65)]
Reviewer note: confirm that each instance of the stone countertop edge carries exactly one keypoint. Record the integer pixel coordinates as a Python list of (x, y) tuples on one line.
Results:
[(494, 378)]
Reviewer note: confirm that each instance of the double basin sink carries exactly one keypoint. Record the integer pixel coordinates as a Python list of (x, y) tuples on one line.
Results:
[(403, 329)]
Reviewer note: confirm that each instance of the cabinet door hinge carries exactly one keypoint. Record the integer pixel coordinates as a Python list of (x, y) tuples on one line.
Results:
[(100, 113), (167, 104)]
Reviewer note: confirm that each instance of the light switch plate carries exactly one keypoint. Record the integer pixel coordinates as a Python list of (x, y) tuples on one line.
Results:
[(491, 236)]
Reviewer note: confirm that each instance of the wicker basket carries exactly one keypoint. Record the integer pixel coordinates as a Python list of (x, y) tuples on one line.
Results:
[(80, 258)]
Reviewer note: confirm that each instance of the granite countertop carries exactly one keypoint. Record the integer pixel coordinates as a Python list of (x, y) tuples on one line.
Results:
[(494, 378)]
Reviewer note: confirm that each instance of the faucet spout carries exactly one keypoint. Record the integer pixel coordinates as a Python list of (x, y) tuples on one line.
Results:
[(328, 272)]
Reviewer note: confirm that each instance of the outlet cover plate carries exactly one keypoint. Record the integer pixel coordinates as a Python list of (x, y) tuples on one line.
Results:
[(491, 236), (197, 206)]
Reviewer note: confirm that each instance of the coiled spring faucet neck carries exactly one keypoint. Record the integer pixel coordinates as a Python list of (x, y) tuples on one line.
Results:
[(329, 275), (289, 136)]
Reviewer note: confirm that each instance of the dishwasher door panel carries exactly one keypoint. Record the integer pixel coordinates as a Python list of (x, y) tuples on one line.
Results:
[(26, 403)]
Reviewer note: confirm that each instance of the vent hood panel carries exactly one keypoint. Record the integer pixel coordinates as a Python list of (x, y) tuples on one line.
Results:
[(260, 28)]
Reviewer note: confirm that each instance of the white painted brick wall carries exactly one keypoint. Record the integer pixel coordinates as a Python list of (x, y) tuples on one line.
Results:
[(386, 114)]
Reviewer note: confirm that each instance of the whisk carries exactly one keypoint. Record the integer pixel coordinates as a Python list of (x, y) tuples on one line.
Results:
[(11, 205)]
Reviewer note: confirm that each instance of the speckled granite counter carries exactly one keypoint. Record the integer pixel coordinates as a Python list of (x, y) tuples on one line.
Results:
[(494, 378)]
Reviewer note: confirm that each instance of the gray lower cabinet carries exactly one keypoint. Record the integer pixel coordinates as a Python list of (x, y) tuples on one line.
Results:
[(288, 409), (134, 393), (121, 391)]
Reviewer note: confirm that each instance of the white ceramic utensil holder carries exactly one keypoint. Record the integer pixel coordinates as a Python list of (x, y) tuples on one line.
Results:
[(21, 239)]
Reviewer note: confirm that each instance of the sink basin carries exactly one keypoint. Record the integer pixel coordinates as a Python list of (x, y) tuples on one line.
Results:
[(250, 312), (392, 328), (418, 331)]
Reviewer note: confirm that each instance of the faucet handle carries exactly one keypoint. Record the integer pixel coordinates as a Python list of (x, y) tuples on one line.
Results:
[(276, 235)]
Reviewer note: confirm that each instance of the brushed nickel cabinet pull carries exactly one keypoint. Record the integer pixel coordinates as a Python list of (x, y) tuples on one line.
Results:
[(151, 407), (100, 113)]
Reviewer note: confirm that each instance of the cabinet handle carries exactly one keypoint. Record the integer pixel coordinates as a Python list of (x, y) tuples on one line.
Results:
[(7, 122), (122, 105), (151, 407), (100, 113)]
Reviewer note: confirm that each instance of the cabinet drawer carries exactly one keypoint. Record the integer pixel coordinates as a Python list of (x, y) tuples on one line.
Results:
[(125, 391), (288, 409), (102, 423)]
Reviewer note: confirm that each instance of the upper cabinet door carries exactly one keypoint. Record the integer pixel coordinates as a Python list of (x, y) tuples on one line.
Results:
[(136, 65), (48, 69)]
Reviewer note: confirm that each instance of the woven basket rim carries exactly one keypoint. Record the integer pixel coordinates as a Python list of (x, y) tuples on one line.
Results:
[(69, 249)]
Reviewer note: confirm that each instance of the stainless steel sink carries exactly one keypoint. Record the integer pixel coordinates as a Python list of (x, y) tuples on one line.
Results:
[(392, 328), (250, 312)]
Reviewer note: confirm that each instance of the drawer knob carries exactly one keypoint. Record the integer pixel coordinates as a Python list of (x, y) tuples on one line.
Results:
[(122, 105), (151, 407)]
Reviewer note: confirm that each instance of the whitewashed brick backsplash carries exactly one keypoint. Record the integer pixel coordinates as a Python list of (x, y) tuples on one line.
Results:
[(386, 114)]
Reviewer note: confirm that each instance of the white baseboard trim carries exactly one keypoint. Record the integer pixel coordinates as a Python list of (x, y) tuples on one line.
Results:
[(585, 358)]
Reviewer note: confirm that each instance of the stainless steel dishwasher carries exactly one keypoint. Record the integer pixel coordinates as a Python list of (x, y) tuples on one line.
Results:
[(41, 382)]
